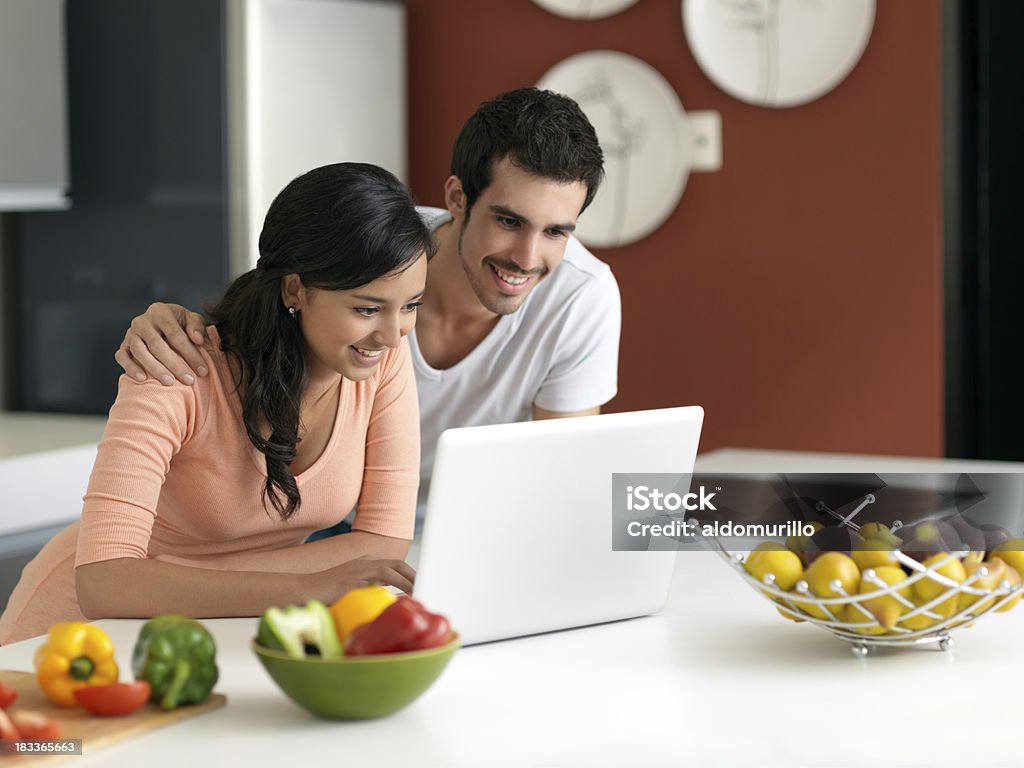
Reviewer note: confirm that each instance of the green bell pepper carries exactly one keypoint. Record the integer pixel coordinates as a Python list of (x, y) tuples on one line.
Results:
[(176, 655), (300, 631)]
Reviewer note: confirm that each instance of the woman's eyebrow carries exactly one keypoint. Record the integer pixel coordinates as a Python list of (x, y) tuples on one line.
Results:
[(379, 300)]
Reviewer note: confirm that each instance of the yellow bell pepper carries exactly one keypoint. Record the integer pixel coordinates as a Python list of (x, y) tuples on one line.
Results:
[(359, 606), (75, 655)]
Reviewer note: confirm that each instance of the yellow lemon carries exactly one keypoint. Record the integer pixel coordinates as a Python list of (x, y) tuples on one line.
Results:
[(857, 613), (825, 574), (928, 588), (1011, 575), (886, 608), (921, 621), (880, 532), (854, 615), (1011, 552), (801, 602), (874, 553), (996, 572), (830, 567), (784, 565)]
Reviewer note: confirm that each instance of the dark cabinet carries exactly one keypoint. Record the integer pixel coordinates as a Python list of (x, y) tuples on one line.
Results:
[(146, 113)]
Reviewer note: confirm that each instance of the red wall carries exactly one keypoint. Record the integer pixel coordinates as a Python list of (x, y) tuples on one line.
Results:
[(796, 293)]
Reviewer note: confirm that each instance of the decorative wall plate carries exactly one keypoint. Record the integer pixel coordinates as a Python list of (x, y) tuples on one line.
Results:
[(777, 53), (584, 9), (646, 138)]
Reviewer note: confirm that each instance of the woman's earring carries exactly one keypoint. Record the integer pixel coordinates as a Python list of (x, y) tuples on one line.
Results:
[(293, 312)]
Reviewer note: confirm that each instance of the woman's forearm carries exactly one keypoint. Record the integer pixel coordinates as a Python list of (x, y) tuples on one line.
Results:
[(140, 588), (244, 584), (309, 558), (325, 553)]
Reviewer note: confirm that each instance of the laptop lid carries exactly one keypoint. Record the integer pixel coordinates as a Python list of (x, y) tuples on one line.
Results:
[(517, 538)]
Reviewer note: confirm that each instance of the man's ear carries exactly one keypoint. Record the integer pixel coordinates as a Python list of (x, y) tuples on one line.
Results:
[(293, 292), (455, 198)]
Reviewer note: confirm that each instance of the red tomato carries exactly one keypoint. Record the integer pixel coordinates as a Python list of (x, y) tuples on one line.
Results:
[(34, 725), (7, 695), (115, 699)]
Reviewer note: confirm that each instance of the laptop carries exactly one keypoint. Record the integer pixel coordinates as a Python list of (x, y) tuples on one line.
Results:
[(517, 538)]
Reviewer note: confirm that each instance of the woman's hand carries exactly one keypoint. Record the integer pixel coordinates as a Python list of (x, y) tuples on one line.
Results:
[(166, 338), (359, 572)]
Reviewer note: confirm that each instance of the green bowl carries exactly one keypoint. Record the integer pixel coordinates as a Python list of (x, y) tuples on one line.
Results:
[(356, 687)]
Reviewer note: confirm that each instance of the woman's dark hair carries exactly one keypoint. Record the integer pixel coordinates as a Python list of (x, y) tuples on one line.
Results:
[(337, 227), (543, 132)]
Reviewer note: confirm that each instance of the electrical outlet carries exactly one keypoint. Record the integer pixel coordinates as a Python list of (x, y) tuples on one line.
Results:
[(706, 127)]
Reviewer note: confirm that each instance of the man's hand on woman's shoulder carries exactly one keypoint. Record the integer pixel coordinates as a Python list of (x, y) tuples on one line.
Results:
[(164, 343)]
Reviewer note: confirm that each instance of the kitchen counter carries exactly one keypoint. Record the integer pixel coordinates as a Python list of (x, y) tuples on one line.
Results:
[(22, 434), (45, 463), (716, 679)]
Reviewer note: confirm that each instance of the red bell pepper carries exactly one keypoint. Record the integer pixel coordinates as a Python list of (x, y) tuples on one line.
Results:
[(405, 625)]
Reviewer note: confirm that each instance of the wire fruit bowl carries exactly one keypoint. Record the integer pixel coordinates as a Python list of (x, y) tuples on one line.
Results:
[(919, 603), (862, 575), (847, 616)]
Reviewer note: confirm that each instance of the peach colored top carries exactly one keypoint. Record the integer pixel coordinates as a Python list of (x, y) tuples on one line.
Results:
[(177, 479)]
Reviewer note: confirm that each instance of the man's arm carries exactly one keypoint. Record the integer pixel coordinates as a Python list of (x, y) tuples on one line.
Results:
[(541, 413), (165, 339), (584, 370)]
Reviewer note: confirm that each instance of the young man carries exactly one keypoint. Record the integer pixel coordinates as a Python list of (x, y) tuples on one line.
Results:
[(519, 320)]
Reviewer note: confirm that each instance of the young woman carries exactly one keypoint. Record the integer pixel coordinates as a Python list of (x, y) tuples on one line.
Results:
[(201, 496)]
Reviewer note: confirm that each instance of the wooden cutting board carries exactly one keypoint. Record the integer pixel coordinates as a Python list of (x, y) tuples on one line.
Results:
[(95, 732)]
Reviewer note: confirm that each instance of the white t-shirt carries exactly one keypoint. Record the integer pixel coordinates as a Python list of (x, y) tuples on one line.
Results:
[(560, 351)]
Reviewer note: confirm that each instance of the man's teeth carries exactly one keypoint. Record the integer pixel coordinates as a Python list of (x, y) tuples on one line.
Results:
[(512, 279), (370, 352)]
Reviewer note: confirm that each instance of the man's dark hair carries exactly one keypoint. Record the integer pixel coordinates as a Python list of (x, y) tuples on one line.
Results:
[(544, 133)]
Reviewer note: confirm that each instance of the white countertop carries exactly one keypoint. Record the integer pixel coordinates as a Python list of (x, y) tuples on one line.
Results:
[(27, 433), (45, 463), (716, 679)]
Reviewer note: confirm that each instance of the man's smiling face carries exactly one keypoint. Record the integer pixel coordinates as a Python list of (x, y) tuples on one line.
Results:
[(515, 234)]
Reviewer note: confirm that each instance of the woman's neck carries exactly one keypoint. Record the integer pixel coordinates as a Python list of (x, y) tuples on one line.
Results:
[(319, 392), (318, 389)]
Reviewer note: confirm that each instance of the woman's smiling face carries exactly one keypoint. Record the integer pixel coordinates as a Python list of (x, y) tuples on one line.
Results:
[(346, 332)]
